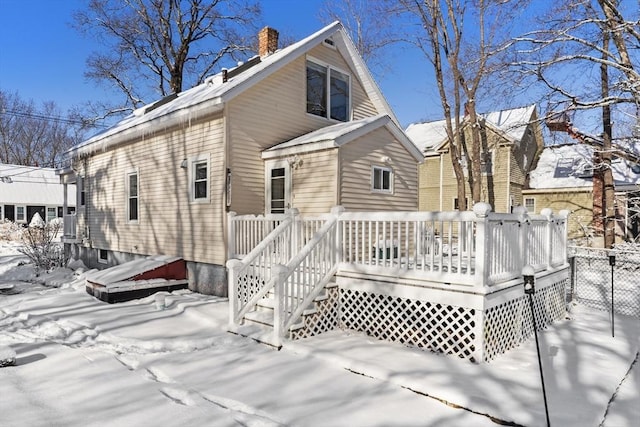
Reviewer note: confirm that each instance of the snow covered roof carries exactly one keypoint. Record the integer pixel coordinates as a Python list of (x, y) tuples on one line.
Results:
[(339, 134), (210, 96), (429, 136), (25, 185), (568, 166)]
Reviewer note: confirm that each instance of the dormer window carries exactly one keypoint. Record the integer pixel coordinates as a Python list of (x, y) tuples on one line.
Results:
[(328, 92)]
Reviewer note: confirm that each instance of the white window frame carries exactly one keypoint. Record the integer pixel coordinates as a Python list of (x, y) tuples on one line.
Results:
[(24, 214), (1, 212), (128, 197), (269, 166), (55, 213), (532, 199), (329, 68), (191, 170), (82, 194), (102, 260), (382, 169)]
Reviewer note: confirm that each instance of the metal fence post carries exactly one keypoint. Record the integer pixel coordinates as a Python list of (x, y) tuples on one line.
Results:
[(612, 263)]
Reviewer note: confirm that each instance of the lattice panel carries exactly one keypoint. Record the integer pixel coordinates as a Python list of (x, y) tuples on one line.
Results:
[(502, 328), (507, 325), (247, 286), (326, 317), (436, 327)]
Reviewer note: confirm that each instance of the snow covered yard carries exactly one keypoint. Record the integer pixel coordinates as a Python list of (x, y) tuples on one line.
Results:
[(82, 362)]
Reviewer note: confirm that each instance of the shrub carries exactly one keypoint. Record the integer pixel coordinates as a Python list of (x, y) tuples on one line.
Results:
[(39, 245)]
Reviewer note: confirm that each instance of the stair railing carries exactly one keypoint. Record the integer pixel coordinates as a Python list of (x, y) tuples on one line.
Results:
[(301, 280), (250, 279)]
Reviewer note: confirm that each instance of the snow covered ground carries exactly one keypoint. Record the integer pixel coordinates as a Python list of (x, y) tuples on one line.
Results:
[(82, 362)]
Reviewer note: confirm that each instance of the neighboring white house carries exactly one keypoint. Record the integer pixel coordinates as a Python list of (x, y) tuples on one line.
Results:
[(26, 190)]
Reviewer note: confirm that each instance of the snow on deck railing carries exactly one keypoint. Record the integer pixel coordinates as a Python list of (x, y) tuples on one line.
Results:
[(247, 231), (467, 248)]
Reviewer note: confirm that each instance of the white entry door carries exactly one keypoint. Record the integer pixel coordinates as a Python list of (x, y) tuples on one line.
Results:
[(278, 186)]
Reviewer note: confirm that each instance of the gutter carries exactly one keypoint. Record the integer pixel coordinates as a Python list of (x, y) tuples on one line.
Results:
[(160, 123)]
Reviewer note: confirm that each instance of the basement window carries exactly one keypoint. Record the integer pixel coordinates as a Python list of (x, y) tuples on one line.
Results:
[(103, 256)]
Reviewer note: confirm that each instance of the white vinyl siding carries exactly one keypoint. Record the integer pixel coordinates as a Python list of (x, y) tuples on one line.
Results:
[(174, 226), (272, 112), (315, 183), (356, 161)]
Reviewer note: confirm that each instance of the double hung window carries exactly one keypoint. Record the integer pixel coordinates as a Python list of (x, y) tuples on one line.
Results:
[(132, 196)]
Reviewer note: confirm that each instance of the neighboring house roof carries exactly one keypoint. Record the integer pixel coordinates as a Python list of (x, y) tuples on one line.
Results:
[(572, 166), (25, 185), (210, 96), (339, 134), (431, 136)]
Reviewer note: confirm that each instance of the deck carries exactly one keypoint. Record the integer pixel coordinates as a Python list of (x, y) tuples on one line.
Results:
[(450, 282)]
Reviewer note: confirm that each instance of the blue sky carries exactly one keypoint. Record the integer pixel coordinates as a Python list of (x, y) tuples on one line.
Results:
[(43, 58)]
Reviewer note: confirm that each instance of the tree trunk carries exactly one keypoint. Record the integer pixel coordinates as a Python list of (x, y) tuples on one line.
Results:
[(608, 208)]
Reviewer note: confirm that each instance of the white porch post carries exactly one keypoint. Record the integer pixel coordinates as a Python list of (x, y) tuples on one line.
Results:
[(279, 276), (337, 211), (232, 279), (478, 354), (548, 214), (523, 217), (483, 243)]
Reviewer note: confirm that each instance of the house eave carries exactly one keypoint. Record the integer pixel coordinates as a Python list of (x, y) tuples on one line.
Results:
[(159, 124)]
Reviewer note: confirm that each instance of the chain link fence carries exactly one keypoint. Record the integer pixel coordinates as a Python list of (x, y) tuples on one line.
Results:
[(605, 279)]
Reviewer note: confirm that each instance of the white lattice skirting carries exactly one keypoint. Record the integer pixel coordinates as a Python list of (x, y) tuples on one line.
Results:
[(478, 328)]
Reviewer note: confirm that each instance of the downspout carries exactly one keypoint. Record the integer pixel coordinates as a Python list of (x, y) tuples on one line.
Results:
[(228, 174), (441, 179), (508, 208)]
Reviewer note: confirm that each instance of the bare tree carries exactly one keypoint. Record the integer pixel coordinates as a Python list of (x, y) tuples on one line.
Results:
[(157, 47), (464, 40), (582, 38), (35, 136), (370, 27)]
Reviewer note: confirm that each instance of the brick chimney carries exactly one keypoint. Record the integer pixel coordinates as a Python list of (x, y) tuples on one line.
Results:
[(267, 41)]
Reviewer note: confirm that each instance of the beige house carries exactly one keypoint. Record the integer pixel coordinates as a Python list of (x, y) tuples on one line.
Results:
[(563, 179), (301, 127), (512, 139)]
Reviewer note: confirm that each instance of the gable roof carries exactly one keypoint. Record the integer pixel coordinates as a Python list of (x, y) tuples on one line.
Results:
[(210, 96), (32, 186), (431, 136), (339, 134), (567, 166)]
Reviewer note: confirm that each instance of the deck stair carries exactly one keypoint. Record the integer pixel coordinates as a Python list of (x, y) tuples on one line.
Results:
[(138, 278), (258, 323)]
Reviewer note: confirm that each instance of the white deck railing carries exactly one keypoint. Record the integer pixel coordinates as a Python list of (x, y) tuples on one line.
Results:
[(476, 249)]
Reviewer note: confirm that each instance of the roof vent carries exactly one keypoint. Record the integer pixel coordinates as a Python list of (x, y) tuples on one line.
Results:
[(160, 103)]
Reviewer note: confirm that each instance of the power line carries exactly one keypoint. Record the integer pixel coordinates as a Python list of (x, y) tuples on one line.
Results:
[(56, 119)]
